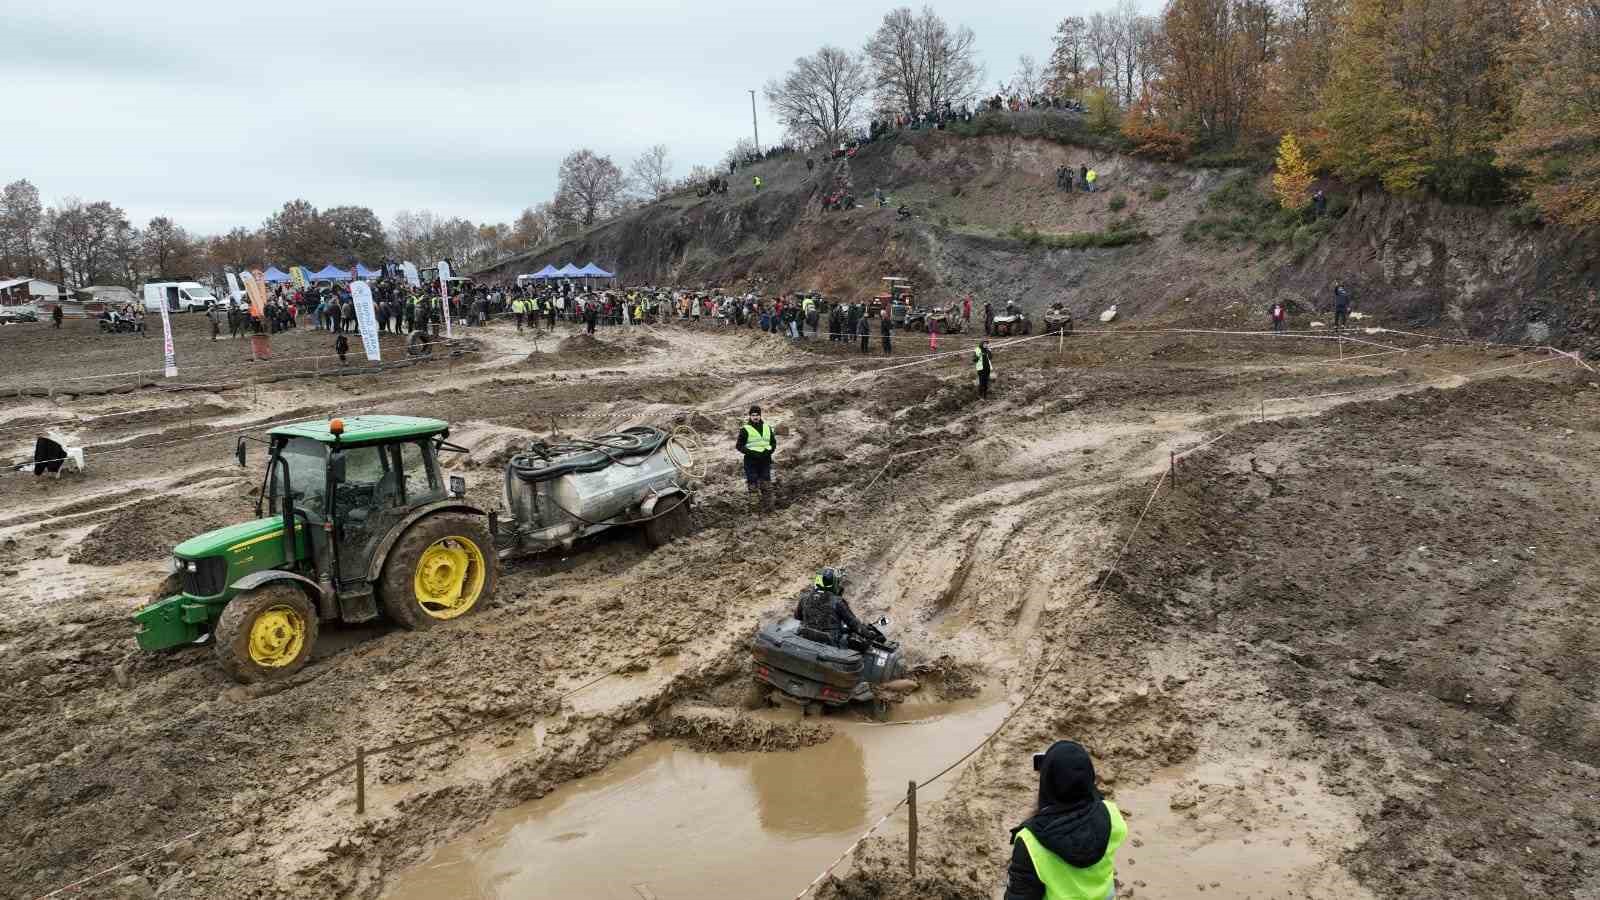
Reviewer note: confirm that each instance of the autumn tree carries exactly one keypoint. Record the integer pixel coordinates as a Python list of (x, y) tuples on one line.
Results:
[(21, 217), (1028, 80), (297, 234), (167, 250), (355, 233), (1555, 133), (238, 250), (1216, 60), (590, 187), (1070, 56), (1291, 183), (1419, 94), (88, 243)]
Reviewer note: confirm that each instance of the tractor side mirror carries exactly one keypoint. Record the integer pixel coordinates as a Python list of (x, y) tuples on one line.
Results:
[(883, 621), (238, 452), (458, 486), (336, 467)]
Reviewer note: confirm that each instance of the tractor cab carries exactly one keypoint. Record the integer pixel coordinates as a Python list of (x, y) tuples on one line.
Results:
[(352, 514)]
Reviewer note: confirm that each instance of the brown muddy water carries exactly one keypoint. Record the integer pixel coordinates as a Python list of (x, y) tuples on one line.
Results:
[(667, 822)]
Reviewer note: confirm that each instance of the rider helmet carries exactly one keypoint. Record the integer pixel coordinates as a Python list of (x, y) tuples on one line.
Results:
[(828, 579)]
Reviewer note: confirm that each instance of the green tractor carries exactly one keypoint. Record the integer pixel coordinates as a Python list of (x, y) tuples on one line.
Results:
[(353, 515)]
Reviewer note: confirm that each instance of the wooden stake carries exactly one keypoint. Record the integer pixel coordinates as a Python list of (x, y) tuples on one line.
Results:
[(1172, 466), (361, 781), (911, 844)]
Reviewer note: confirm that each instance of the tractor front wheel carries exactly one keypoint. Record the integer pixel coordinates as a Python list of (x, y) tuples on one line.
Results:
[(266, 634), (439, 569)]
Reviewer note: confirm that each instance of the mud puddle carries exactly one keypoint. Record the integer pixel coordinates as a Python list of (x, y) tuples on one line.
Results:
[(667, 822), (1252, 829)]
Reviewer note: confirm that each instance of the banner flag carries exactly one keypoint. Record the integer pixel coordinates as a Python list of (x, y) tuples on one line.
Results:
[(166, 343), (444, 294), (255, 285), (366, 318), (412, 275)]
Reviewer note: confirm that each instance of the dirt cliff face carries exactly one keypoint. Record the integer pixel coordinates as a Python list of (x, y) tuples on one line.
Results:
[(1460, 269), (1409, 262)]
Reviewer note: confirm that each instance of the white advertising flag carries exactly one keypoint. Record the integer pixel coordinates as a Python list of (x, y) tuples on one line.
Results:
[(444, 295), (366, 318), (412, 276), (166, 343)]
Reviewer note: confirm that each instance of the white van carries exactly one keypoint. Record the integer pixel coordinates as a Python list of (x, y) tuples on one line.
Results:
[(179, 296)]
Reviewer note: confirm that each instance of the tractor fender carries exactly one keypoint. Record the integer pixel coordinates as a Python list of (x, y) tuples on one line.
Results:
[(265, 576), (648, 507), (375, 567)]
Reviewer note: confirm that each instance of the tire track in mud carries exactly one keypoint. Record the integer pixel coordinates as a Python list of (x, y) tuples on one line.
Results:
[(555, 629)]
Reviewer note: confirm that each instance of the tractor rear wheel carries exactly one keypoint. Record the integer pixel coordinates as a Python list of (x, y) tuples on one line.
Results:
[(439, 569), (266, 634), (669, 524)]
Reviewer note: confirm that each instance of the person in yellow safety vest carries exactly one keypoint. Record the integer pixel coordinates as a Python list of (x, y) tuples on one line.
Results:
[(1089, 178), (983, 362), (520, 307), (1067, 849), (757, 442), (758, 181)]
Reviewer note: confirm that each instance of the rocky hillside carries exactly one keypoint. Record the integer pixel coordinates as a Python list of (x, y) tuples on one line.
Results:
[(1162, 242)]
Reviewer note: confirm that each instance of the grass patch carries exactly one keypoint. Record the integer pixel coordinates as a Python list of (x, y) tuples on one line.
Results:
[(1159, 193), (1118, 202), (1240, 213), (1120, 233)]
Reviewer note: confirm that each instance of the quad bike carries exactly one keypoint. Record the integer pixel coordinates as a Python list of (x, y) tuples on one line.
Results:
[(807, 670), (118, 326), (1012, 321), (1058, 318)]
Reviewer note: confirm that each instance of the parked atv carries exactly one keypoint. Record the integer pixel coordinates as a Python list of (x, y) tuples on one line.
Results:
[(1012, 321), (807, 669), (1058, 318), (118, 326)]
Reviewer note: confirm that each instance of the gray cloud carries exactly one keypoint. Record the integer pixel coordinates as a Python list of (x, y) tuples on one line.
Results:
[(217, 113)]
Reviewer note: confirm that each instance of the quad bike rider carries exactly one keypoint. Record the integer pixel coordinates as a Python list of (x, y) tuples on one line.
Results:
[(824, 656), (1058, 318)]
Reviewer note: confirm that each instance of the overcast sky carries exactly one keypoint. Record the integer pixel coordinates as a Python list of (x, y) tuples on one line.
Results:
[(215, 113)]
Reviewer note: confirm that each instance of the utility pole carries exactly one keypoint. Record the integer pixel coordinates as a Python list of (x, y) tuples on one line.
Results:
[(754, 128)]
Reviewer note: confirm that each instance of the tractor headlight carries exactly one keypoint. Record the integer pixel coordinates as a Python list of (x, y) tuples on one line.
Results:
[(189, 566)]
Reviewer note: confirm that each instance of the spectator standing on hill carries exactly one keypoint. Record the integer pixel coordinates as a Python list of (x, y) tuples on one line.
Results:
[(1279, 316), (1341, 304), (884, 329), (988, 318), (865, 330), (966, 312), (1089, 179), (1083, 176)]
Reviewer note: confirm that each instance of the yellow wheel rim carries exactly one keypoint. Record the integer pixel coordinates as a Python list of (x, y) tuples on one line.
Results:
[(449, 577), (277, 636)]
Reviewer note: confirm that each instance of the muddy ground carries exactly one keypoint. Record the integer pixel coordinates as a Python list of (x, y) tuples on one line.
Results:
[(1278, 659)]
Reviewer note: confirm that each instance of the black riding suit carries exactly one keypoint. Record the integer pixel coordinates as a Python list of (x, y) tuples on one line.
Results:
[(827, 612)]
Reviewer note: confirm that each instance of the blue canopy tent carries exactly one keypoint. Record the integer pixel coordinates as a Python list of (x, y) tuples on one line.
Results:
[(568, 271), (594, 271), (364, 272), (548, 271), (274, 275), (330, 273)]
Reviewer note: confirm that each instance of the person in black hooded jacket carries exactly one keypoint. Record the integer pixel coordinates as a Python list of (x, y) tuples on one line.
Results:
[(1067, 849)]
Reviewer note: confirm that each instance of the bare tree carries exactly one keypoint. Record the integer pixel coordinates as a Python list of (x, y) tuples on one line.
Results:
[(818, 100), (1028, 82), (651, 173), (590, 186), (950, 70), (1102, 43), (895, 53)]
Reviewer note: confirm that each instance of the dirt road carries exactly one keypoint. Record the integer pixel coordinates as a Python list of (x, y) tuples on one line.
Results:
[(1258, 674)]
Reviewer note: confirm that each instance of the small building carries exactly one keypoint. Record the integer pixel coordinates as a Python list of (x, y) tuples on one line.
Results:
[(112, 295), (27, 291)]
